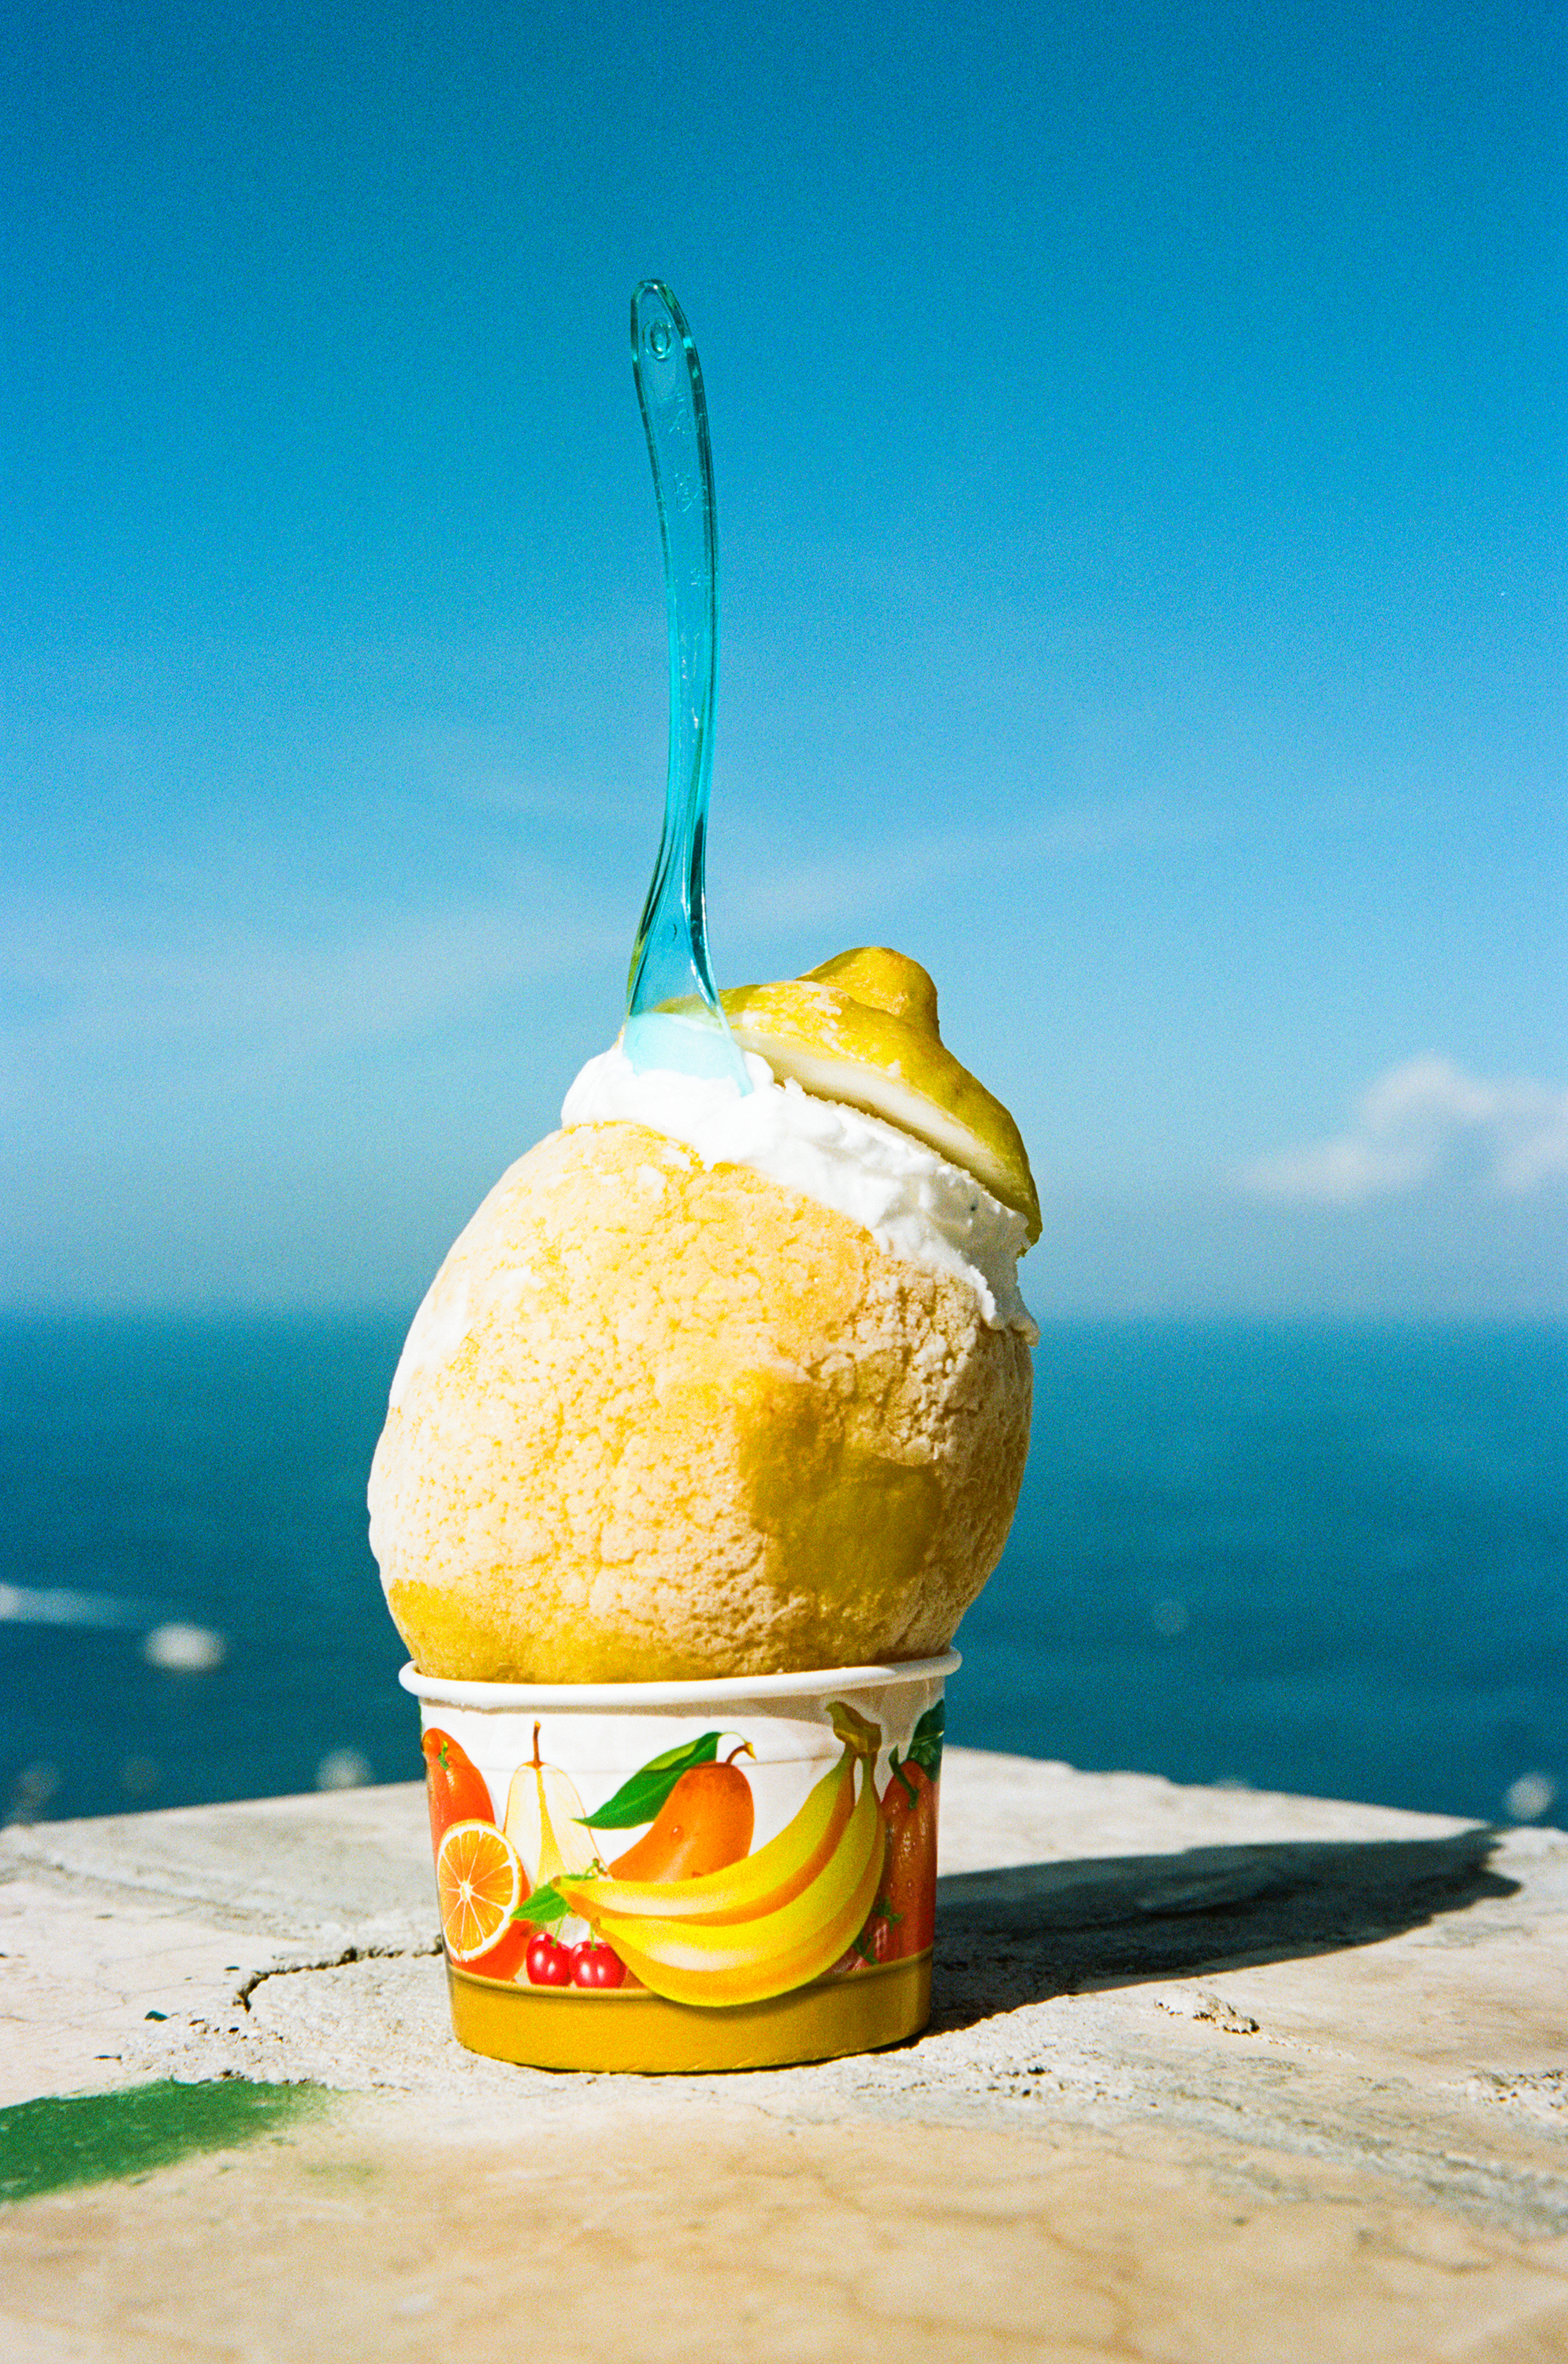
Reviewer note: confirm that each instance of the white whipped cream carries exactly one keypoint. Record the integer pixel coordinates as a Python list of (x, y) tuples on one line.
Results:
[(912, 1202)]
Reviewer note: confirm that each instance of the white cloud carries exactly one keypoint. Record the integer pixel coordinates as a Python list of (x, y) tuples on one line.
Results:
[(853, 887), (81, 986), (1426, 1121)]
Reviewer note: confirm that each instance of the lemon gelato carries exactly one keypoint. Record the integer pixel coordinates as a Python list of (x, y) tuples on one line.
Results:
[(723, 1383)]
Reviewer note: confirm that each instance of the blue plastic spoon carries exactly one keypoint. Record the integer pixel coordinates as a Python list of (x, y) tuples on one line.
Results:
[(673, 1013)]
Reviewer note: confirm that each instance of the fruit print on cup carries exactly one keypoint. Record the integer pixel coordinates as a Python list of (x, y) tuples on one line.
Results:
[(904, 1919), (548, 1961), (733, 1868), (479, 1883), (596, 1965), (456, 1789), (763, 1923), (688, 1910), (705, 1823), (545, 1821)]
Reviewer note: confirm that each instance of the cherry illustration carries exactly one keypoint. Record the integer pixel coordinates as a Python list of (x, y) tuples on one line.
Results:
[(548, 1962), (596, 1965)]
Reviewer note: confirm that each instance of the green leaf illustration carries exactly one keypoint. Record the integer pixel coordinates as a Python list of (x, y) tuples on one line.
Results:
[(544, 1908), (638, 1800), (925, 1747)]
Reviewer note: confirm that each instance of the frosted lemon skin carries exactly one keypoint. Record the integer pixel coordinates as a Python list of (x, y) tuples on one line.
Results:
[(696, 1424)]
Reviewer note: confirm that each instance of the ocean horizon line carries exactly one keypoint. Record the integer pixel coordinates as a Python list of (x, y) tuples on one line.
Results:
[(238, 1313)]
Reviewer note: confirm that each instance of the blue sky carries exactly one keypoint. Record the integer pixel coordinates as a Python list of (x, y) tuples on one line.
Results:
[(1140, 438)]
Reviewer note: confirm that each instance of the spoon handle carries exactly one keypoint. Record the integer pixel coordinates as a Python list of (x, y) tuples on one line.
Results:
[(670, 959)]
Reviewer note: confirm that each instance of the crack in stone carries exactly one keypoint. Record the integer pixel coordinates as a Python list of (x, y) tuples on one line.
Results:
[(335, 1962)]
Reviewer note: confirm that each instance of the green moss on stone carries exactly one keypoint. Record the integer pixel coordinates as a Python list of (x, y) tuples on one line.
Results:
[(77, 2138)]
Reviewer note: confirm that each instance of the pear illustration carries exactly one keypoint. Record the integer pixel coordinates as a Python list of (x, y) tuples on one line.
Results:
[(544, 1822)]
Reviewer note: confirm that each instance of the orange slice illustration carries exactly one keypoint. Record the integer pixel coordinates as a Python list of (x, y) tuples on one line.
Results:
[(479, 1884)]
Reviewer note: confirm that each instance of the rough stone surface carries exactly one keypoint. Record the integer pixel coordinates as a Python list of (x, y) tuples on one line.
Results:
[(1214, 2075)]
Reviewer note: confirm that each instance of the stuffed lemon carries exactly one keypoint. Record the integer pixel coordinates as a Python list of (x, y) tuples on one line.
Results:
[(718, 1383)]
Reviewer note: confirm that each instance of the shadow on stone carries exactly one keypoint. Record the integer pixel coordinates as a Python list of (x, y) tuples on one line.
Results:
[(1040, 1929)]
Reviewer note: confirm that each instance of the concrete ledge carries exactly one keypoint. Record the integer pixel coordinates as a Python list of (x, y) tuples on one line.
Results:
[(1214, 2074)]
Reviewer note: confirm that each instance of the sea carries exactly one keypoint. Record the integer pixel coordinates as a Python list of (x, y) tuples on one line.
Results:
[(1332, 1559)]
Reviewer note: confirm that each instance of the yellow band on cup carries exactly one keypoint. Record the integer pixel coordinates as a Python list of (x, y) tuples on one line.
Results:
[(545, 2028)]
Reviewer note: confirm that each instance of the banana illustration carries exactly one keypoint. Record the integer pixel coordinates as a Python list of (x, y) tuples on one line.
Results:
[(810, 1892), (746, 1961), (758, 1884)]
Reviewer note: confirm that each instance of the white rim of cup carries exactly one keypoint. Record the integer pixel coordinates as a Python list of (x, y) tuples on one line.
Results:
[(591, 1698)]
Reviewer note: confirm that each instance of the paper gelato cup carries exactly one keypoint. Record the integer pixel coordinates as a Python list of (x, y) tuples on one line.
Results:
[(723, 1873)]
